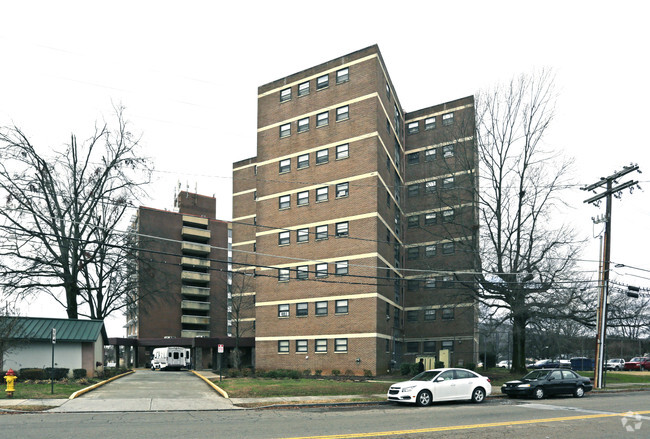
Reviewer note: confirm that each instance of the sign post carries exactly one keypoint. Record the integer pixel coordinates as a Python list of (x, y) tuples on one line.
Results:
[(52, 370), (220, 351)]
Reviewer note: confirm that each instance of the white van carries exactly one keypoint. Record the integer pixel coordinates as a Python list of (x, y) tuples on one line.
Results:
[(172, 357)]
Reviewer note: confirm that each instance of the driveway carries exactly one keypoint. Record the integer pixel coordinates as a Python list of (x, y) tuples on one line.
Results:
[(147, 390)]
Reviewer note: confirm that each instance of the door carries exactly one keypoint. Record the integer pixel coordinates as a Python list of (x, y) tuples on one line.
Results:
[(444, 387), (555, 383)]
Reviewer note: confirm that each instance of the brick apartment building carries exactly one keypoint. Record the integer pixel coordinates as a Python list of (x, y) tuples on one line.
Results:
[(181, 280), (352, 224)]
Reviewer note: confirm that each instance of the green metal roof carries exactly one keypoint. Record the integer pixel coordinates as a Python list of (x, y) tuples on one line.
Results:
[(67, 330)]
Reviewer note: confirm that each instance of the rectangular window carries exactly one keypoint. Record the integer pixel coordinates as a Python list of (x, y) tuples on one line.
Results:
[(448, 215), (430, 282), (283, 346), (430, 218), (283, 310), (342, 190), (322, 156), (285, 130), (341, 306), (447, 313), (448, 151), (321, 270), (303, 198), (283, 275), (321, 345), (448, 183), (303, 161), (321, 232), (342, 151), (412, 347), (413, 221), (412, 316), (285, 95), (322, 194), (413, 158), (301, 345), (302, 272), (322, 119), (447, 344), (285, 166), (303, 89), (285, 201), (342, 113), (413, 190), (341, 267), (430, 155), (387, 90), (342, 75), (342, 229), (447, 119), (430, 314), (412, 285), (322, 82), (321, 308), (413, 128), (430, 187), (340, 345), (447, 248), (413, 253), (429, 346), (302, 235), (303, 125), (430, 250), (429, 123), (283, 238)]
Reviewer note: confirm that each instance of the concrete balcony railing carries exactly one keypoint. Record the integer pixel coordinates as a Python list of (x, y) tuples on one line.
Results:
[(195, 234), (194, 221), (195, 262), (193, 248), (195, 320), (192, 305), (193, 276), (193, 333), (195, 291)]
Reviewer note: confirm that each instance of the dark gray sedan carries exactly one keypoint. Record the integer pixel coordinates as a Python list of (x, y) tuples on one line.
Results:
[(543, 382)]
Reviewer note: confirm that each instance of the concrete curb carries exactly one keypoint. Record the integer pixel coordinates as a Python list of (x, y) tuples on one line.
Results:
[(94, 386), (211, 384)]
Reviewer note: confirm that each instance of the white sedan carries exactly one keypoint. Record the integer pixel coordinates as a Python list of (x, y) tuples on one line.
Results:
[(441, 385)]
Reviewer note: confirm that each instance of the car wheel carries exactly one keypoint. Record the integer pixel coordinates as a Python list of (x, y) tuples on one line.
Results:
[(617, 368), (478, 395), (579, 392), (424, 398), (538, 393)]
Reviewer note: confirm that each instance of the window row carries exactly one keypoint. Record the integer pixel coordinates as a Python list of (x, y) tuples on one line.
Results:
[(413, 221), (413, 158), (430, 282), (342, 190), (430, 187), (341, 229), (320, 308), (341, 268), (429, 314), (320, 345), (429, 123), (322, 156), (322, 82), (322, 119), (413, 347)]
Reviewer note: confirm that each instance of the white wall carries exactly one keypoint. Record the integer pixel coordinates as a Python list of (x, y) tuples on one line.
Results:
[(39, 355)]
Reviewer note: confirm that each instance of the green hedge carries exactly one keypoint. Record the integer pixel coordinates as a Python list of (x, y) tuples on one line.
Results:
[(56, 373), (32, 373), (79, 373)]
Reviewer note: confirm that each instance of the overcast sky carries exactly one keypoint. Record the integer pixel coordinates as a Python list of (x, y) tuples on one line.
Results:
[(187, 73)]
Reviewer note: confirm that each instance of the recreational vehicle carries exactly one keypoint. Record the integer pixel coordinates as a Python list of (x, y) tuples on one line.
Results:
[(169, 358)]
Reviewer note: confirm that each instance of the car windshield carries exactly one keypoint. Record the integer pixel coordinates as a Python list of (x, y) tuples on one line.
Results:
[(427, 375), (536, 374)]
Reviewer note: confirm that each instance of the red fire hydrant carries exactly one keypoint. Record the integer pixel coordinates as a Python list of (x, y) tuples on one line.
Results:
[(10, 377)]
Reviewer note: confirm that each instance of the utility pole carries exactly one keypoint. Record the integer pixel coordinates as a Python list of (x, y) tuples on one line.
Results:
[(603, 300)]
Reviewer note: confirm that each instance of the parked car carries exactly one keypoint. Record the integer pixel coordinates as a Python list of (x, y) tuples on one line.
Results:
[(615, 364), (506, 364), (539, 383), (637, 363), (582, 363), (551, 364), (445, 384)]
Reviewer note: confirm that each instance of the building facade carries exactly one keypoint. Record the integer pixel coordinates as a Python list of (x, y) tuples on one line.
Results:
[(350, 224)]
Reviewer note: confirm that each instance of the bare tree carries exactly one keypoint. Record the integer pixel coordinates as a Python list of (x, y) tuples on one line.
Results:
[(241, 307), (8, 324), (61, 216)]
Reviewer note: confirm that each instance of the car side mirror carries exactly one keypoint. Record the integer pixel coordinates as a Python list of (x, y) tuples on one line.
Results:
[(438, 380), (551, 378)]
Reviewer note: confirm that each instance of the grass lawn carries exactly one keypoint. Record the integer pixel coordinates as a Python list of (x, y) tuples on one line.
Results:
[(43, 390), (268, 387)]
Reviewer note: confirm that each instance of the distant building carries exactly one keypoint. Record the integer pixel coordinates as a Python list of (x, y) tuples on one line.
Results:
[(352, 223)]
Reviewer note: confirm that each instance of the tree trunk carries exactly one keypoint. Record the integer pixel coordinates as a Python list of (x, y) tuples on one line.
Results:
[(518, 344)]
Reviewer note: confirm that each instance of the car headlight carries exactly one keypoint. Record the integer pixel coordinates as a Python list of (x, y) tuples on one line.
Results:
[(523, 385), (408, 389)]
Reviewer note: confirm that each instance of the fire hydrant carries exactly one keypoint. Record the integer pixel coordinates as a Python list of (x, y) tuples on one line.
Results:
[(10, 377)]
